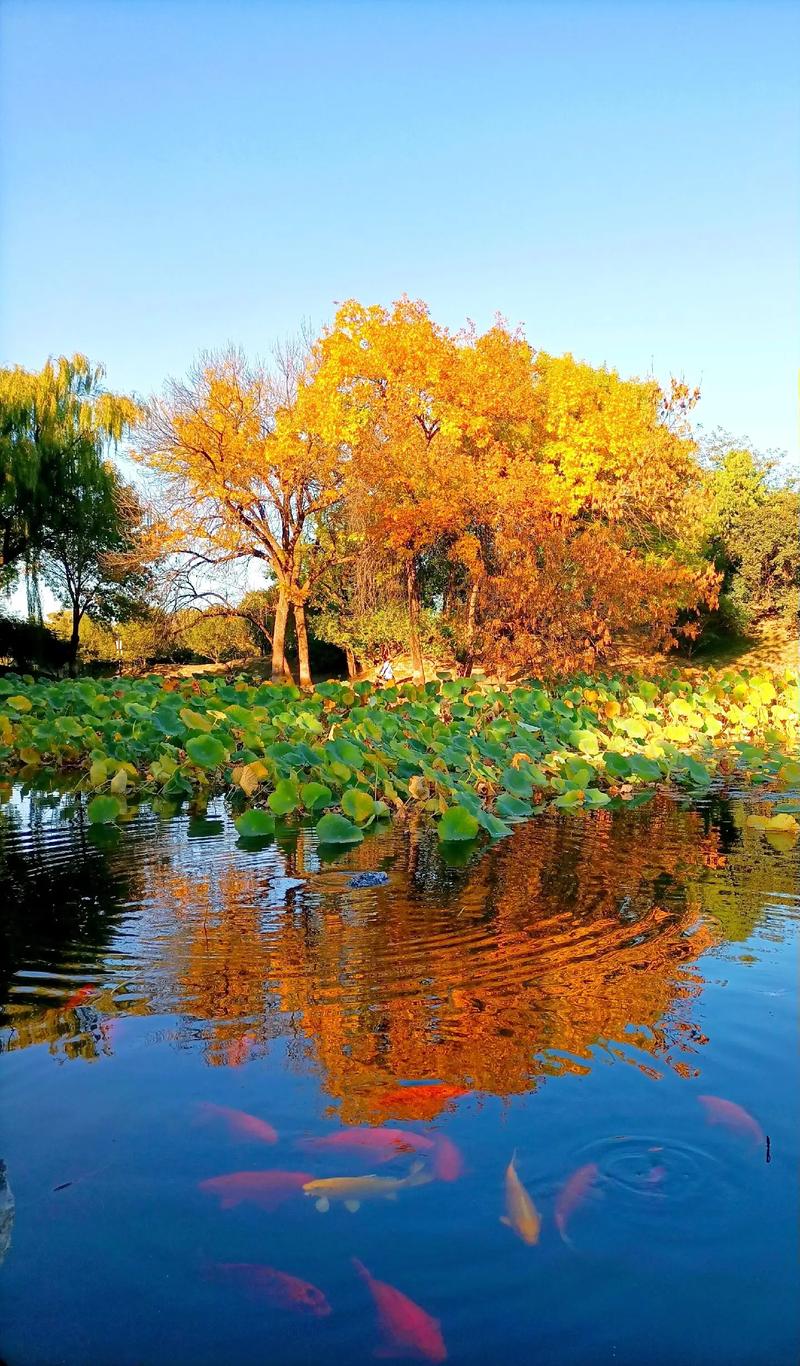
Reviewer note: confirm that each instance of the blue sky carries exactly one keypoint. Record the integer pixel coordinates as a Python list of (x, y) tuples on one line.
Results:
[(619, 177)]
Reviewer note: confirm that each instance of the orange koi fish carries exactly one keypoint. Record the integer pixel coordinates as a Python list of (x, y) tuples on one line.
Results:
[(732, 1116), (448, 1164), (79, 997), (268, 1189), (521, 1214), (406, 1328), (239, 1122), (381, 1145), (573, 1193), (278, 1287)]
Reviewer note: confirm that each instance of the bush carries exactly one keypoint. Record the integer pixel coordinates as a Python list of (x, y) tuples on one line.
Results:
[(31, 648)]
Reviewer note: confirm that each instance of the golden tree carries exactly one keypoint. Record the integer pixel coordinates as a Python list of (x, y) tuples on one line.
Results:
[(247, 477)]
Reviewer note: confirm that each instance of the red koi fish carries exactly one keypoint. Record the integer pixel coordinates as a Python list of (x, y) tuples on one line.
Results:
[(448, 1164), (732, 1116), (79, 997), (655, 1176), (406, 1328), (278, 1287), (266, 1189), (380, 1145), (419, 1101), (572, 1194), (239, 1122)]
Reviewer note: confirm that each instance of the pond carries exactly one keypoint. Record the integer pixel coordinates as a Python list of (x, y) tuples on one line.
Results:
[(587, 1029)]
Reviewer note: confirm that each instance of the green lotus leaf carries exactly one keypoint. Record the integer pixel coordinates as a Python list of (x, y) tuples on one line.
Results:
[(315, 796), (104, 810), (255, 824), (205, 751), (457, 824), (358, 805), (286, 797), (336, 829), (512, 808)]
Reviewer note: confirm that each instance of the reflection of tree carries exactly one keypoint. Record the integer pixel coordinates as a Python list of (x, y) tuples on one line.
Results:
[(566, 936), (747, 875), (63, 897), (570, 936)]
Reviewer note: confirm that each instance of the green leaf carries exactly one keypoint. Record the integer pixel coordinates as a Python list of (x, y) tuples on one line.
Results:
[(315, 796), (205, 751), (512, 808), (644, 768), (593, 796), (103, 810), (616, 765), (518, 783), (457, 824), (255, 824), (336, 829), (285, 798), (359, 806), (697, 774)]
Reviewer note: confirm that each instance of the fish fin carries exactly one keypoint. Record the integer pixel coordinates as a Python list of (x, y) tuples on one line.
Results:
[(416, 1167), (504, 1219), (352, 1205), (360, 1268), (323, 1204)]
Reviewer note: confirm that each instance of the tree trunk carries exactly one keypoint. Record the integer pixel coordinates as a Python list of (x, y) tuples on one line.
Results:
[(352, 666), (74, 641), (301, 630), (412, 591), (472, 606), (279, 666)]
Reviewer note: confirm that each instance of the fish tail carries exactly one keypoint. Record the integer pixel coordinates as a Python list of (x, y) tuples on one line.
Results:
[(361, 1269)]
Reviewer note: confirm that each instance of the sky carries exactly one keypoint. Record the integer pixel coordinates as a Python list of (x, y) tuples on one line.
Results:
[(620, 178)]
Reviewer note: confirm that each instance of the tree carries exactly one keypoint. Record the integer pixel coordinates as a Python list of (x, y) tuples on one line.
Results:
[(54, 425), (93, 555), (415, 408), (752, 530), (589, 529), (562, 496), (249, 475), (217, 635)]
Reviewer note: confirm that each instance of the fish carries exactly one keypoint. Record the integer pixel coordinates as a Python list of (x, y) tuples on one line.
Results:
[(239, 1122), (732, 1116), (406, 1328), (382, 1145), (410, 1097), (351, 1190), (278, 1287), (448, 1164), (79, 997), (268, 1189), (521, 1214), (655, 1176), (572, 1193)]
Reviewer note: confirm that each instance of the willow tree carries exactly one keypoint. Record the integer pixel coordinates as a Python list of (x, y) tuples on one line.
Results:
[(247, 476), (95, 559), (55, 424)]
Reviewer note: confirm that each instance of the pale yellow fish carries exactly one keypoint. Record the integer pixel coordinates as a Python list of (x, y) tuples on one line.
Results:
[(351, 1190), (521, 1213)]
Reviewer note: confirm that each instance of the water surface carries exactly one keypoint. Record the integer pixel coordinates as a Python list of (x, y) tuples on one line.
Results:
[(567, 995)]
